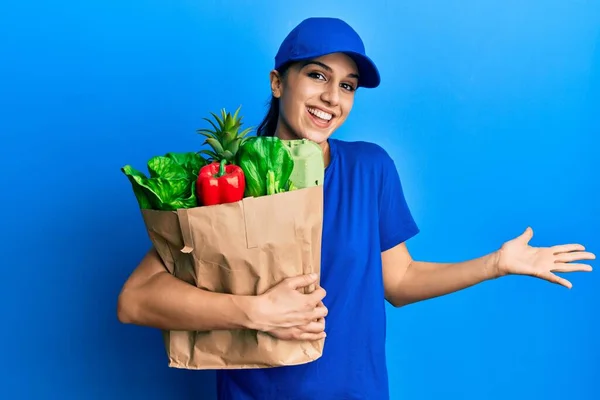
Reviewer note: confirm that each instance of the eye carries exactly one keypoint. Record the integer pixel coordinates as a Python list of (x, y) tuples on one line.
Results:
[(348, 87), (316, 75)]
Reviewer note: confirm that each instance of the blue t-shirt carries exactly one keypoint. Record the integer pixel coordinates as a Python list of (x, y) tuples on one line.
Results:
[(365, 213)]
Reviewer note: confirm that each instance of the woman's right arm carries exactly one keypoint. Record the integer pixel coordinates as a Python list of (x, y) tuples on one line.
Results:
[(153, 297)]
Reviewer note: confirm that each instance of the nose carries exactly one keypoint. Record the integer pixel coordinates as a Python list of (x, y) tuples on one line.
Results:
[(331, 95)]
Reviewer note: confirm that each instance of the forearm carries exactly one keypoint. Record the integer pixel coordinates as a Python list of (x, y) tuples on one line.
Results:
[(165, 302), (425, 280)]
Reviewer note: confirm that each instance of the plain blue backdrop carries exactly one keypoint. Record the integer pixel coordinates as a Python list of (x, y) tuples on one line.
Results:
[(490, 109)]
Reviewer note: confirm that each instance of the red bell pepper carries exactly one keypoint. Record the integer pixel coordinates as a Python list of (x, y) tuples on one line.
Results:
[(218, 183)]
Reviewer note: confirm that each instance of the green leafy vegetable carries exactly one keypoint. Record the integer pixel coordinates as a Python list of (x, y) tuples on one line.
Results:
[(267, 166), (309, 167), (170, 184), (192, 162)]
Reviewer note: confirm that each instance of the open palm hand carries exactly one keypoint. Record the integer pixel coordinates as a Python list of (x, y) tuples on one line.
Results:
[(517, 257)]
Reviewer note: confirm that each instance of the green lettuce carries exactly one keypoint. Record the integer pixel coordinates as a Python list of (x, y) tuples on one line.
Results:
[(171, 183), (267, 166)]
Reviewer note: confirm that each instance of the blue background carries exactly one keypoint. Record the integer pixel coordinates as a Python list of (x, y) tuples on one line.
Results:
[(490, 109)]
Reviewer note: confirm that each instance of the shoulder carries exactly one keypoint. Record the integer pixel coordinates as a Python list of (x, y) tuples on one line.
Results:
[(359, 146), (363, 153)]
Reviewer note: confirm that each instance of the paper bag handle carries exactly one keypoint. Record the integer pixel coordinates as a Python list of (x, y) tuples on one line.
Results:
[(186, 230)]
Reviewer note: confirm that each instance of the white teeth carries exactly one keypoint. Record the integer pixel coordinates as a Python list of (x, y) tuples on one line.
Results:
[(320, 114)]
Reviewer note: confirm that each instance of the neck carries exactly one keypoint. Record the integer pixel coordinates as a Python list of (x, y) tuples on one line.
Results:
[(326, 153)]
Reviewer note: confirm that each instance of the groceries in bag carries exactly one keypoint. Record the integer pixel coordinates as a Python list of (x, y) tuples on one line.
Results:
[(237, 217)]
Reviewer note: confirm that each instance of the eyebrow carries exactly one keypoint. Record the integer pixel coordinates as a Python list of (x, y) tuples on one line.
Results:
[(327, 67)]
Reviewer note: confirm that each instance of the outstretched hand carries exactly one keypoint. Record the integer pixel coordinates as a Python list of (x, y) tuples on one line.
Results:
[(517, 257)]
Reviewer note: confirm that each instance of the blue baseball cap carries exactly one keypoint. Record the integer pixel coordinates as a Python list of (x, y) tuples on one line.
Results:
[(318, 36)]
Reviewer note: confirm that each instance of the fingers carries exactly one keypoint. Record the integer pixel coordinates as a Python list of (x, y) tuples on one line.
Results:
[(310, 336), (314, 314), (297, 334), (314, 330), (526, 235), (572, 267), (317, 295), (574, 256), (550, 277), (566, 248), (314, 326), (319, 312), (297, 282)]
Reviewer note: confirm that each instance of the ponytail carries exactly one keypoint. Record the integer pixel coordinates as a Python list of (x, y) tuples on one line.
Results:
[(269, 124)]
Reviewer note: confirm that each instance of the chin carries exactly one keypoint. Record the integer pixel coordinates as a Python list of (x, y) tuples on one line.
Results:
[(320, 137), (316, 134)]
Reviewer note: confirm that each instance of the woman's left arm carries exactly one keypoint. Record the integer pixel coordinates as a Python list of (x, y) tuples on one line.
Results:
[(408, 281)]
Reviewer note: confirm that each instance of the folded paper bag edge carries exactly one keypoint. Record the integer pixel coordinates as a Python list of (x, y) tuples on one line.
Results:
[(186, 230), (249, 213)]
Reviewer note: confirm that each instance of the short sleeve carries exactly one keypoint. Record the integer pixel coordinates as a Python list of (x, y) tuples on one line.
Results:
[(396, 222)]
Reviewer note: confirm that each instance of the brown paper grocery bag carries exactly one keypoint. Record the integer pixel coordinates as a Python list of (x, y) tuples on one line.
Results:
[(240, 248)]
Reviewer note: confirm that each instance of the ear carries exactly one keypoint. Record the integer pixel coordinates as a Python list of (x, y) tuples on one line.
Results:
[(276, 83)]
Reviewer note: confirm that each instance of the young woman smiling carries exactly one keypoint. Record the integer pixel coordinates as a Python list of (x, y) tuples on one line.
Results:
[(319, 67)]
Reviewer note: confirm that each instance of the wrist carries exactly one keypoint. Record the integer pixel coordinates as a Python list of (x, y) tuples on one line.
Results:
[(251, 312), (494, 270)]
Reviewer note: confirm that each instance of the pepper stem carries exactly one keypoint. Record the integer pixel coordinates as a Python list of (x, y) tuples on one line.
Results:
[(221, 168)]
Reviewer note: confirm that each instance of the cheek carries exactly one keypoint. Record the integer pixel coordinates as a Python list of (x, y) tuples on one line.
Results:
[(294, 109), (346, 109)]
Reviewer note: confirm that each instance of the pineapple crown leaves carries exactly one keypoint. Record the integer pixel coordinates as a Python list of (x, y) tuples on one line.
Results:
[(225, 137)]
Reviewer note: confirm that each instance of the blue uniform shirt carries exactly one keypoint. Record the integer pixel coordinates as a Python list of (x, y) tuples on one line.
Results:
[(365, 213)]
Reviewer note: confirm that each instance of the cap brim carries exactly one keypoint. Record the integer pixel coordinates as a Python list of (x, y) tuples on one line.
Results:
[(367, 70), (369, 76)]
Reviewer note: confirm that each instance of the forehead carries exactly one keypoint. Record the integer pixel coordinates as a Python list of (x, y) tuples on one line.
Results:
[(337, 63)]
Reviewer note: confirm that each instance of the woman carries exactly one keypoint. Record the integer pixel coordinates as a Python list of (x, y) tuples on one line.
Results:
[(318, 69)]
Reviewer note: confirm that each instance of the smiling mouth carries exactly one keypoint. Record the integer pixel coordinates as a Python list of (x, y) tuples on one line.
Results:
[(320, 117)]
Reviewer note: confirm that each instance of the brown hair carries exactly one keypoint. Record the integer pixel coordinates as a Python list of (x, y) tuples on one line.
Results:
[(268, 126)]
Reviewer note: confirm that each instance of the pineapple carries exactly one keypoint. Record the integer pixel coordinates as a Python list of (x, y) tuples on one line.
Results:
[(225, 138)]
